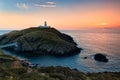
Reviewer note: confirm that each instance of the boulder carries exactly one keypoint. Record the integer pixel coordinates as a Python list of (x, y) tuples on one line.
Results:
[(100, 57), (85, 57)]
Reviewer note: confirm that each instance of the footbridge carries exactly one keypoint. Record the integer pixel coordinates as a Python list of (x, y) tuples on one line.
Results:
[(10, 45)]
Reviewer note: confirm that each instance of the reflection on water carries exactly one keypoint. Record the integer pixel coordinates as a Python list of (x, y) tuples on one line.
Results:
[(98, 42)]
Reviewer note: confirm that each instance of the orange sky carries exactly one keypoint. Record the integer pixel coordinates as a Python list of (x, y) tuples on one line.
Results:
[(76, 17)]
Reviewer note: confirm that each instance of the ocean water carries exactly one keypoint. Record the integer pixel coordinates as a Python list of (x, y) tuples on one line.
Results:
[(106, 41), (4, 31)]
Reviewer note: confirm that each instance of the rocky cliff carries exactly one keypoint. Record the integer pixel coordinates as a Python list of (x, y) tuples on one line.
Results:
[(40, 41)]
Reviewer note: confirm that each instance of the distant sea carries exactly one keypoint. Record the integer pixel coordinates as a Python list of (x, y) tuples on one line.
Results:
[(4, 31), (106, 41)]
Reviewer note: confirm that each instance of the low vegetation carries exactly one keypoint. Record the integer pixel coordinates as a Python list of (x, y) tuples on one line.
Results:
[(9, 71), (41, 41)]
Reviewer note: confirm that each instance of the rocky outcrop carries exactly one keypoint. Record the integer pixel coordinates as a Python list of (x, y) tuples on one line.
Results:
[(100, 57), (41, 41)]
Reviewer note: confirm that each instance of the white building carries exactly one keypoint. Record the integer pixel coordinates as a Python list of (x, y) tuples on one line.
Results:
[(45, 25)]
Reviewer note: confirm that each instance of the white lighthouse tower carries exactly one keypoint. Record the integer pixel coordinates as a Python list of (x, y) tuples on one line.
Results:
[(45, 24)]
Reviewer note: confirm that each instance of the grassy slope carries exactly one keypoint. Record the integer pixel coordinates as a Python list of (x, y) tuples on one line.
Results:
[(34, 33), (9, 72), (37, 39)]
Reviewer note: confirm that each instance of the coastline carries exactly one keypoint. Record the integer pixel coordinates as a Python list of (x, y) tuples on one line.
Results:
[(51, 72), (29, 64), (85, 65)]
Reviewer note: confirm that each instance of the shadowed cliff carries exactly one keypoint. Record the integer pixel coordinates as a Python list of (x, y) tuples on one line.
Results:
[(41, 41)]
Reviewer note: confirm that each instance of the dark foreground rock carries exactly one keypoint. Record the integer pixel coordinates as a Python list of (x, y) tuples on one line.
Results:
[(40, 41), (100, 57)]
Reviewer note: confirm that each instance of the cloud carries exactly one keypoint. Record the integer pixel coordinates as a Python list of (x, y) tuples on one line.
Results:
[(51, 3), (46, 5), (22, 5)]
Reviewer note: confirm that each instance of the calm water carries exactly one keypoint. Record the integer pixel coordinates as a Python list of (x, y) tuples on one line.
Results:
[(92, 41)]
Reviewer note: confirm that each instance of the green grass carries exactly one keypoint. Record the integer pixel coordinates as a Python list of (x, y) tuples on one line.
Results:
[(8, 72), (1, 52), (104, 76), (46, 40), (6, 57), (38, 38)]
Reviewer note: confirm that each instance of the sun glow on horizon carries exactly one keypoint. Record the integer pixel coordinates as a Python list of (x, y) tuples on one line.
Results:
[(69, 16)]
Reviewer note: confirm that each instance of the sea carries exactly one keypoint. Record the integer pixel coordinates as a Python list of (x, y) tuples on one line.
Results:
[(92, 41)]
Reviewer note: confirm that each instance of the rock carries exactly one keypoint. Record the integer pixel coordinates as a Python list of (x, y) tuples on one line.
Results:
[(100, 57), (85, 57), (41, 41)]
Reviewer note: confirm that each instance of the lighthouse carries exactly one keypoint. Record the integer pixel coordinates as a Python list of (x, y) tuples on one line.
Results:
[(45, 24)]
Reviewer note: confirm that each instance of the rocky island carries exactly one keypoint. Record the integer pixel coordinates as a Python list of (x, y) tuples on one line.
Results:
[(36, 41)]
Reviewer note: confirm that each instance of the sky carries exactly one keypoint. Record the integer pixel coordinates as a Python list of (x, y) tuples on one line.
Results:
[(61, 14)]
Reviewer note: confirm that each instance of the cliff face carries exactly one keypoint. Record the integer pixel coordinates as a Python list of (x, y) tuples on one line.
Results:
[(37, 41)]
